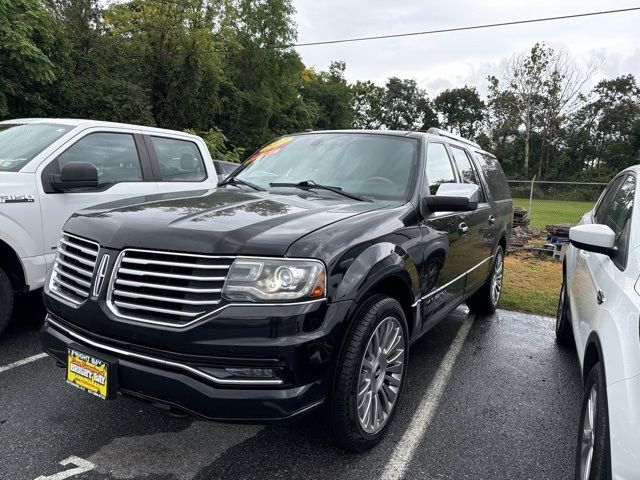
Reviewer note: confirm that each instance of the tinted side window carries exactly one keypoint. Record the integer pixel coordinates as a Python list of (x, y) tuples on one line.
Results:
[(495, 176), (467, 172), (607, 197), (180, 160), (113, 154), (439, 169), (618, 212)]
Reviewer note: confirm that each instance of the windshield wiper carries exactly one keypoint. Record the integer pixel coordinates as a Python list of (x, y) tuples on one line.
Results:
[(236, 180), (310, 184)]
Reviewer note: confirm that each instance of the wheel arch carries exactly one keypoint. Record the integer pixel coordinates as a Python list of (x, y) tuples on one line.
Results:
[(11, 264), (592, 356)]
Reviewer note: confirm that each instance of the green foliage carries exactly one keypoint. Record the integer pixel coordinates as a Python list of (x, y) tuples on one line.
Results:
[(225, 69), (27, 39), (219, 146), (462, 110)]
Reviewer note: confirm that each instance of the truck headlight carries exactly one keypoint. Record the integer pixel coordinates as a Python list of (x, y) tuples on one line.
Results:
[(267, 279)]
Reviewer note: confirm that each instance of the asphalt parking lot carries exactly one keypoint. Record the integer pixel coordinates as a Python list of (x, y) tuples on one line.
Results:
[(487, 398)]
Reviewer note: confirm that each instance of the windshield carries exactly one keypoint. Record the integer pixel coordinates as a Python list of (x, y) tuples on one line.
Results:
[(19, 143), (374, 166)]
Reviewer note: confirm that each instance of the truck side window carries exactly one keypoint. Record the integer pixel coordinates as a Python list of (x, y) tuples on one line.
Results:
[(494, 175), (180, 160), (113, 154), (439, 169), (467, 172)]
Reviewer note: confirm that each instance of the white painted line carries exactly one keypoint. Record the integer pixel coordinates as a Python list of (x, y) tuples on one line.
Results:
[(405, 448), (81, 464), (24, 361)]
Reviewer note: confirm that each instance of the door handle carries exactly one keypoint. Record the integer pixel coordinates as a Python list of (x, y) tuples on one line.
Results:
[(491, 220), (463, 228)]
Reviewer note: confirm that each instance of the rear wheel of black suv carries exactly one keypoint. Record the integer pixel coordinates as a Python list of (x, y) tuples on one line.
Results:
[(485, 300), (370, 375)]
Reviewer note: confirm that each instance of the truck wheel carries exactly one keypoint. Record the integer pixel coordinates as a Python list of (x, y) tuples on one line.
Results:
[(593, 460), (485, 300), (370, 375), (564, 332), (6, 300)]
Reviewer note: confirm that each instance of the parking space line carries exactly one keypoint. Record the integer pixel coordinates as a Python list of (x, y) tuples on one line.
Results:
[(402, 454), (24, 361)]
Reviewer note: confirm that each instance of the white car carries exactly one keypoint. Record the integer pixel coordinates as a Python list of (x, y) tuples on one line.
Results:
[(49, 168), (600, 308)]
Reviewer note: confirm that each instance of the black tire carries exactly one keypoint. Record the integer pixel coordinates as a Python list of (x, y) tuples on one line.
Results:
[(564, 331), (600, 467), (343, 419), (6, 300), (484, 302)]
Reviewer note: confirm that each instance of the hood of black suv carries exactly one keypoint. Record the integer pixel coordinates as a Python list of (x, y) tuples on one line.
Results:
[(226, 221)]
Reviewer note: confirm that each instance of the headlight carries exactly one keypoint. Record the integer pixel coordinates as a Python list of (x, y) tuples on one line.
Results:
[(266, 279)]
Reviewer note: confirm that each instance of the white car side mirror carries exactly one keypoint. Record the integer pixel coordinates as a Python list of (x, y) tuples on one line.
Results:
[(594, 238)]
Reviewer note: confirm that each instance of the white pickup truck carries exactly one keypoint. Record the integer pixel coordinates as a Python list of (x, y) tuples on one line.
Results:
[(49, 168)]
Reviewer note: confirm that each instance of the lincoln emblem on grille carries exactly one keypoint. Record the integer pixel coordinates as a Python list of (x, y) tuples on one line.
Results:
[(102, 271)]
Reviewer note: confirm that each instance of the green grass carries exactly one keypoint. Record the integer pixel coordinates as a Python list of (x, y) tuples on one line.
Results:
[(546, 212), (531, 285)]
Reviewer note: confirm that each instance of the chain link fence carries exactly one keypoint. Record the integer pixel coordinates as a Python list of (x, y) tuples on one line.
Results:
[(552, 202)]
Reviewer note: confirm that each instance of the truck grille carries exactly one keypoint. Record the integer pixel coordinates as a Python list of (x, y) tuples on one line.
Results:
[(73, 269), (166, 287)]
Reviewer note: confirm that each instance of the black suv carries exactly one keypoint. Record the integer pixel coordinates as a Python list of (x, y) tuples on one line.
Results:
[(298, 284)]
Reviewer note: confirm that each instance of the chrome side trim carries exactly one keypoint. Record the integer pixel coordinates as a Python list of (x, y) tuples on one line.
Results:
[(439, 289), (160, 361)]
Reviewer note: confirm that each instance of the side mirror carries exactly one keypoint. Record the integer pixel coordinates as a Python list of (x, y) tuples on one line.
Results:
[(453, 197), (594, 238), (75, 175)]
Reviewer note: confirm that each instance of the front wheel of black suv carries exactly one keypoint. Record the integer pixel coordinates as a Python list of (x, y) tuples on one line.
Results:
[(593, 460), (370, 375), (485, 300)]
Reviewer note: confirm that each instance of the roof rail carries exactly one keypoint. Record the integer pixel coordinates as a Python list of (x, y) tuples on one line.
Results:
[(453, 136)]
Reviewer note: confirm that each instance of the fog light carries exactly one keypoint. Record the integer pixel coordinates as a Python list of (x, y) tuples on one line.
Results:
[(252, 372)]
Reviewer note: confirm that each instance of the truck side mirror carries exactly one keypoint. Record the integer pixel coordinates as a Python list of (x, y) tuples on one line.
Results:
[(452, 197), (75, 175)]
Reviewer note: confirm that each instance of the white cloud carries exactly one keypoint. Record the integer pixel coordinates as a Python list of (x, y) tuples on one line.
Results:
[(453, 59)]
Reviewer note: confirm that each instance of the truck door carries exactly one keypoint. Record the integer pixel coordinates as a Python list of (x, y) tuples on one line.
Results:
[(480, 224), (123, 171), (179, 165), (445, 256)]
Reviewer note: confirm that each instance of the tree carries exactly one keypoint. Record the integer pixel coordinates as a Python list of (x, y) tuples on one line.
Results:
[(329, 95), (27, 38), (367, 105), (462, 110), (406, 106)]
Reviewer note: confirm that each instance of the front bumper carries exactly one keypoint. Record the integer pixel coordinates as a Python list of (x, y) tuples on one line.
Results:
[(624, 424), (194, 385)]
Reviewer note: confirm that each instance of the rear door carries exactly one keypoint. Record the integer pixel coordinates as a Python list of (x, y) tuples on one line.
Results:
[(445, 258), (123, 172), (178, 164), (480, 223)]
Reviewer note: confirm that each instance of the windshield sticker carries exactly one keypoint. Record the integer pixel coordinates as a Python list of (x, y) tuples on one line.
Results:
[(273, 147), (17, 199)]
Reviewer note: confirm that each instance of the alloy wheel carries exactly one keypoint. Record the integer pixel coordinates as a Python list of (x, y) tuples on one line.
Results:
[(588, 435), (496, 279), (380, 375)]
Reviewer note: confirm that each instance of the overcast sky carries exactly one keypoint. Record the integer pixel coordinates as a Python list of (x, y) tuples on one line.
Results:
[(454, 59)]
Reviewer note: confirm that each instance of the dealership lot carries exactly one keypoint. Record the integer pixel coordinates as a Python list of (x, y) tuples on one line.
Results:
[(488, 397)]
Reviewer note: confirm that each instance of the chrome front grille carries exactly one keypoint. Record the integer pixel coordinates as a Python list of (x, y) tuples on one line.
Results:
[(166, 287), (73, 268)]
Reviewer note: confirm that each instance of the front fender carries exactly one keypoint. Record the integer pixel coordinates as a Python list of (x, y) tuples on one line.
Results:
[(374, 264)]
